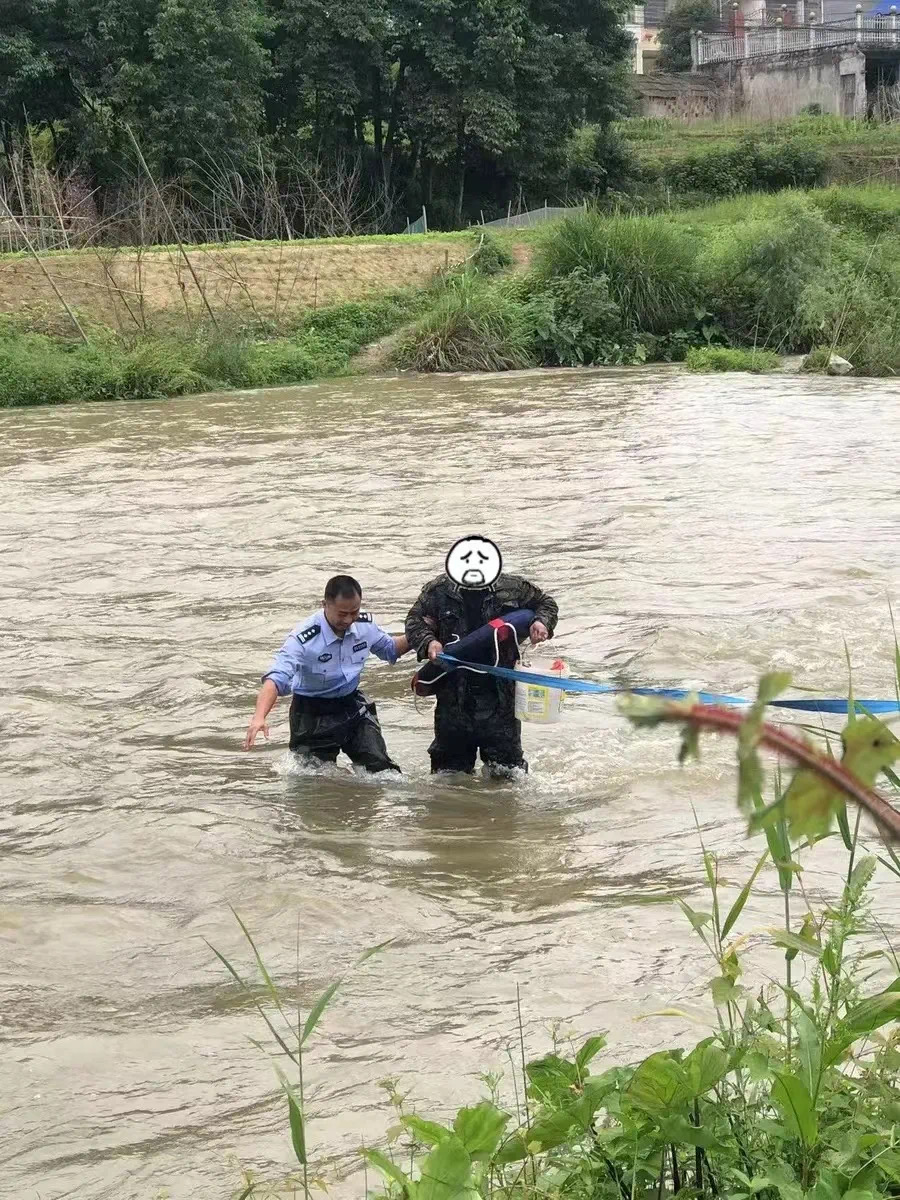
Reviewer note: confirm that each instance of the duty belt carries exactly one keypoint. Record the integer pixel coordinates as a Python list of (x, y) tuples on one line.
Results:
[(327, 704)]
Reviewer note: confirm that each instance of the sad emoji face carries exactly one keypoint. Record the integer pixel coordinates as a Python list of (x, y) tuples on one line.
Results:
[(474, 562)]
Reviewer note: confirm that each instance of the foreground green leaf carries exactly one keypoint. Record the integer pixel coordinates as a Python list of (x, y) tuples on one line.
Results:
[(480, 1129), (794, 1102), (446, 1172)]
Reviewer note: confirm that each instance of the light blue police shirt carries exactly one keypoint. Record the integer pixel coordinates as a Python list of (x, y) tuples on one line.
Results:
[(316, 661)]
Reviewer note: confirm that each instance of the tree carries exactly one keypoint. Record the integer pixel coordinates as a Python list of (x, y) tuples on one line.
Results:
[(500, 86), (676, 28), (186, 75), (460, 103), (34, 86), (199, 99), (329, 68)]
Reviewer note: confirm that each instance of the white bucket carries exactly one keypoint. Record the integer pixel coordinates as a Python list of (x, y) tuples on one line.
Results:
[(536, 702)]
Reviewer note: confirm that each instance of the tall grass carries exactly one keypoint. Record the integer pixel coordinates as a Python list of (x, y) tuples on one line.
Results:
[(648, 262), (707, 359), (782, 273), (872, 210), (473, 326)]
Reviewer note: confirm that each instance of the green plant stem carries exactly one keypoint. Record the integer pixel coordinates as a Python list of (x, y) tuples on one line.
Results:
[(834, 982), (698, 1151), (300, 1067), (788, 976)]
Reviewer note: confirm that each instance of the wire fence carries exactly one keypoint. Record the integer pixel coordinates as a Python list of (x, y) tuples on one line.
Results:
[(536, 216), (418, 226), (522, 220)]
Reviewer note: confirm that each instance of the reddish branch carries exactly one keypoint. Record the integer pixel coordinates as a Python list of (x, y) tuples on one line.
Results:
[(724, 720)]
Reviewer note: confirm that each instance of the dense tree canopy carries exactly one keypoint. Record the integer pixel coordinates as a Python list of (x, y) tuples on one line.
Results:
[(676, 29), (458, 104)]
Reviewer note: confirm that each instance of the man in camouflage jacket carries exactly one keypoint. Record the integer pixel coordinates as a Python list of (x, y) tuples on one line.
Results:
[(475, 713)]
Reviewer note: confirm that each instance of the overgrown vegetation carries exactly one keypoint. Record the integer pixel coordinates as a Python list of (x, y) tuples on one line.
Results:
[(769, 274), (793, 1092), (674, 160), (707, 359), (777, 274), (750, 166), (473, 327), (39, 369)]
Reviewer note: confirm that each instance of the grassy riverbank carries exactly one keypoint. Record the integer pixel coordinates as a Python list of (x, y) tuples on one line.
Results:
[(37, 368), (791, 1090), (785, 273), (782, 273), (256, 333)]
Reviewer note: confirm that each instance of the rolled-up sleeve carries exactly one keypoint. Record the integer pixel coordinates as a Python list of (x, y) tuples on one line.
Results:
[(384, 646), (285, 664)]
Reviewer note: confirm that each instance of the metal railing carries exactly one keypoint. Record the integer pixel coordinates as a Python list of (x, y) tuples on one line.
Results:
[(755, 42)]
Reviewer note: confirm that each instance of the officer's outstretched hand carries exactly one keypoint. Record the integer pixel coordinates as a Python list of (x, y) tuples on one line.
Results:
[(539, 632), (257, 724), (434, 649)]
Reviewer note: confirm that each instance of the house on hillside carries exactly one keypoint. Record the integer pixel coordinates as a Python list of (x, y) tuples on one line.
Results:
[(644, 23), (772, 62), (645, 20)]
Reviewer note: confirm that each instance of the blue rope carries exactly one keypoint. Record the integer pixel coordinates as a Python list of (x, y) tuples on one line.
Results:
[(609, 689)]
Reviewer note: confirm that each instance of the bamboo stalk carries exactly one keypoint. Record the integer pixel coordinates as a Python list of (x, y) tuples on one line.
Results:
[(190, 265), (40, 262)]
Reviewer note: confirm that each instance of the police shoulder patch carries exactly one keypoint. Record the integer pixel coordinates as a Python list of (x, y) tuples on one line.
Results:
[(307, 635), (366, 618)]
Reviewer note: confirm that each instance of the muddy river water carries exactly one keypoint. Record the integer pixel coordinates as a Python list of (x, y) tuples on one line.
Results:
[(152, 556)]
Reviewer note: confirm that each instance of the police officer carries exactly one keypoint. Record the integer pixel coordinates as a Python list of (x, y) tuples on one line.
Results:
[(475, 713), (320, 663)]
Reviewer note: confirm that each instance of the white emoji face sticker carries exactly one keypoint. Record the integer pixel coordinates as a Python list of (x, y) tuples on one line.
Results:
[(474, 562)]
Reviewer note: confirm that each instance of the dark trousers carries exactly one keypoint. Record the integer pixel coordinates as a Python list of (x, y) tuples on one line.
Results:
[(459, 736), (322, 728)]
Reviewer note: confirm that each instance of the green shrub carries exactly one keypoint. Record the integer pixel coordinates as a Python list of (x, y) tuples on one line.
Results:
[(473, 327), (790, 164), (755, 275), (223, 361), (156, 367), (710, 172), (873, 210), (349, 327), (751, 166), (648, 262), (40, 369), (274, 364), (33, 371), (576, 322), (600, 161), (491, 256), (816, 362), (877, 352), (707, 359)]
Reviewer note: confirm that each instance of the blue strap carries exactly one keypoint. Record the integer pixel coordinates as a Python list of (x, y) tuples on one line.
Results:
[(609, 689)]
